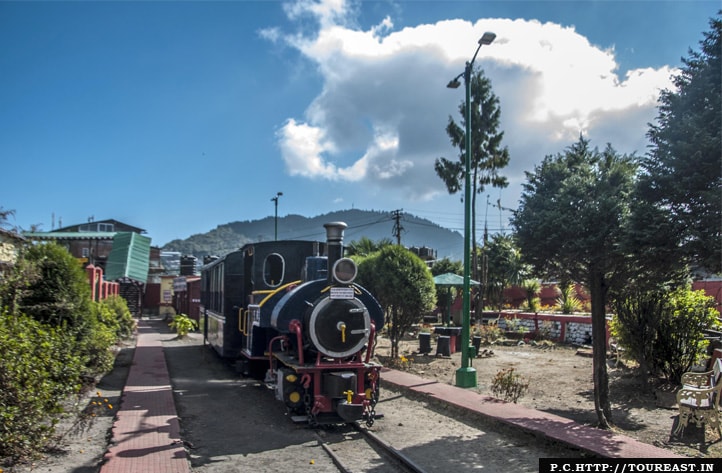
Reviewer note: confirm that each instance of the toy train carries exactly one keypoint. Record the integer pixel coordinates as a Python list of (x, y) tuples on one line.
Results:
[(289, 312)]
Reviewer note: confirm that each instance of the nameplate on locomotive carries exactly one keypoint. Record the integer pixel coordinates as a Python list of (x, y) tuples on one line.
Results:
[(342, 293)]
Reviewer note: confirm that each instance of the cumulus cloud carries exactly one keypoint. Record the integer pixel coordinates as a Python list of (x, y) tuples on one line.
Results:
[(380, 117)]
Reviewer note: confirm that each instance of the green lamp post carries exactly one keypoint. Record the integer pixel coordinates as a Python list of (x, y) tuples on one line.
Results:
[(275, 216), (466, 374)]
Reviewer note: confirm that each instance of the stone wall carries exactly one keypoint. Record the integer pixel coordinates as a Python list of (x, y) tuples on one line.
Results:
[(573, 329)]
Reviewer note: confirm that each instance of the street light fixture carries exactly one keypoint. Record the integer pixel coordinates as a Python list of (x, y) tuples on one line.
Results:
[(275, 218), (466, 375)]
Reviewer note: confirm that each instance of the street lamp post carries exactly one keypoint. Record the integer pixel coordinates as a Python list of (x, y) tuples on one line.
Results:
[(275, 218), (466, 374)]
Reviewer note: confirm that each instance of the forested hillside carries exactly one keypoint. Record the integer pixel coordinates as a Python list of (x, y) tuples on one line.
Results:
[(361, 223)]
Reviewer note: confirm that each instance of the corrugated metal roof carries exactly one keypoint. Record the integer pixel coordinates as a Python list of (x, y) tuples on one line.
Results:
[(69, 235), (129, 257)]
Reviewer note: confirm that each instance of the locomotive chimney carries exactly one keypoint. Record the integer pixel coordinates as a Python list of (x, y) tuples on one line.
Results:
[(334, 243)]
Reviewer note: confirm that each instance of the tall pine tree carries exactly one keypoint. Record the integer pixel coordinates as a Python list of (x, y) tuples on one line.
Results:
[(683, 170), (488, 157)]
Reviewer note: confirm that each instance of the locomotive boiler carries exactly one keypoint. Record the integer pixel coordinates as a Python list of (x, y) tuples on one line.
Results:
[(290, 313)]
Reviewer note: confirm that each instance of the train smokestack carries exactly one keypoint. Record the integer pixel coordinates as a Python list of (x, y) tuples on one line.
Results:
[(334, 243)]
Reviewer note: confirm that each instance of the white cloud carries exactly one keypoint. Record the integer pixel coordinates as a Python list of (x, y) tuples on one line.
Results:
[(327, 12), (381, 115)]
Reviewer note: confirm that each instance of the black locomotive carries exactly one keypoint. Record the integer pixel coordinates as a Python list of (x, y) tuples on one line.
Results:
[(289, 312)]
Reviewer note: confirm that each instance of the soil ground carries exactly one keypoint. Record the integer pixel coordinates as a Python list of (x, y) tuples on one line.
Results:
[(560, 381), (559, 378)]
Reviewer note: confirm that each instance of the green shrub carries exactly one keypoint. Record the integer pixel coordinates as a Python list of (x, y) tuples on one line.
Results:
[(488, 333), (680, 340), (96, 338), (514, 324), (508, 385), (126, 322), (531, 288), (183, 324), (664, 331), (38, 370), (106, 316), (568, 302), (61, 293)]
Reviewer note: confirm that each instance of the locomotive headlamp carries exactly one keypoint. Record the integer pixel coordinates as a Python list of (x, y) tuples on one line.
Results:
[(344, 271)]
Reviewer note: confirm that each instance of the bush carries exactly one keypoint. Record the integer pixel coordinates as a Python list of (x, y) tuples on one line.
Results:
[(61, 293), (52, 335), (532, 287), (50, 286), (509, 386), (664, 331), (38, 370), (96, 339), (488, 333), (680, 340), (125, 321), (568, 302), (182, 324)]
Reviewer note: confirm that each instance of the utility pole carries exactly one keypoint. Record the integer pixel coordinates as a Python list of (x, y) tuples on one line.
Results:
[(397, 225)]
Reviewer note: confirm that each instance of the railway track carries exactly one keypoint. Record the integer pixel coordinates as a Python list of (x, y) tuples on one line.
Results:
[(356, 449)]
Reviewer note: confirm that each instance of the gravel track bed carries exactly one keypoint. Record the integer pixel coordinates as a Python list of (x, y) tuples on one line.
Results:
[(232, 424)]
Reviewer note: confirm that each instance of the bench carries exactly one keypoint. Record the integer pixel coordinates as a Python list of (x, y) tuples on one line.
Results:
[(617, 351), (698, 399)]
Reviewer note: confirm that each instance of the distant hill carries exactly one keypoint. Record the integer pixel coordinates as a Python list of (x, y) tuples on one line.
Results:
[(374, 225)]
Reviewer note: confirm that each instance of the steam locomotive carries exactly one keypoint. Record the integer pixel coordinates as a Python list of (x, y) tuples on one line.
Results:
[(290, 313)]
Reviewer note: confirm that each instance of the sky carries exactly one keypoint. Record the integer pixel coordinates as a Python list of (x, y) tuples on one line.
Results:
[(179, 116)]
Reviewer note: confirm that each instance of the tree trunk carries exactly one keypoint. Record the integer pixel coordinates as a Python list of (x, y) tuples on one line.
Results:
[(395, 336), (598, 290)]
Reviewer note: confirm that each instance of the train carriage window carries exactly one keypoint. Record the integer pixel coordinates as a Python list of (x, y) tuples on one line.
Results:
[(273, 268)]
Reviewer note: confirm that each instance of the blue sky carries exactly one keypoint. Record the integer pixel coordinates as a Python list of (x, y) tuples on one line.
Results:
[(177, 117)]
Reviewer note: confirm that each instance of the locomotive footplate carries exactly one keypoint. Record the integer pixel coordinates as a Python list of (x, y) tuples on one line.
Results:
[(292, 362)]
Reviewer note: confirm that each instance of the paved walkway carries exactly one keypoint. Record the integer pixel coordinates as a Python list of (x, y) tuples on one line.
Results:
[(146, 435)]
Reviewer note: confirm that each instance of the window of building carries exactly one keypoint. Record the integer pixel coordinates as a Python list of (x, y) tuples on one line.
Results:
[(97, 227)]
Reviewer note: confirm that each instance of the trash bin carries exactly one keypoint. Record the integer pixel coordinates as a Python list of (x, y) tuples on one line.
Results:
[(424, 343), (443, 345), (476, 341), (455, 334)]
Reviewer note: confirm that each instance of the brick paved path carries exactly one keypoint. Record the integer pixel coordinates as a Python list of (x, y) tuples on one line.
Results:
[(146, 434)]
